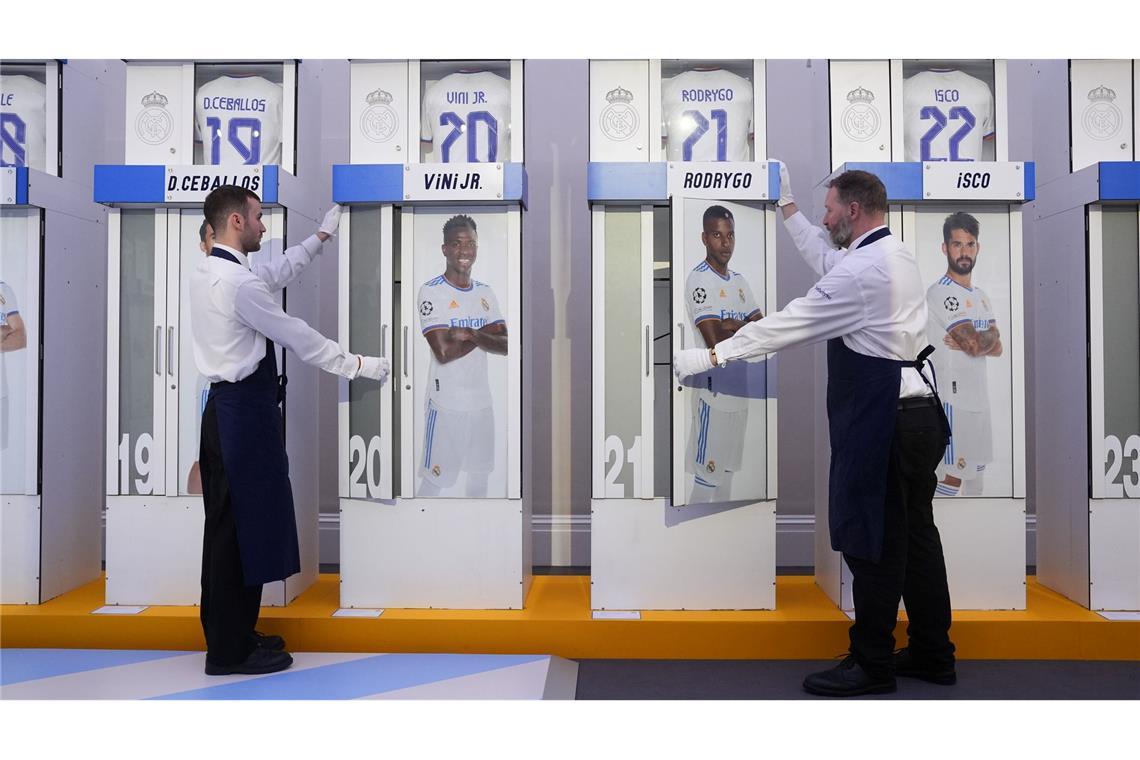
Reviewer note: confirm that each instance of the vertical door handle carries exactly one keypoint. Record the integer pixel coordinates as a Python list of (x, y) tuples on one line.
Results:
[(405, 361), (681, 334), (648, 344), (170, 350), (384, 340), (158, 350)]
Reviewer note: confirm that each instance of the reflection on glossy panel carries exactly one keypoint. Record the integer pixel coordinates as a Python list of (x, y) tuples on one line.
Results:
[(138, 339), (623, 286)]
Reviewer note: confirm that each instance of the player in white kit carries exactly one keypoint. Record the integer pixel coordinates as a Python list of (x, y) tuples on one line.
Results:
[(719, 302), (706, 115), (462, 322), (13, 337), (22, 122), (238, 121), (467, 118), (961, 322), (946, 116)]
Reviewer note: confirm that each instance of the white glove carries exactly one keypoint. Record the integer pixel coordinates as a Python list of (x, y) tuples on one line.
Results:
[(374, 367), (785, 185), (691, 361), (331, 221)]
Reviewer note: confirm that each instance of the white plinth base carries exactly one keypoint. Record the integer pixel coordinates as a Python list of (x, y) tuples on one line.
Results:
[(1114, 554), (647, 555), (437, 553), (19, 549)]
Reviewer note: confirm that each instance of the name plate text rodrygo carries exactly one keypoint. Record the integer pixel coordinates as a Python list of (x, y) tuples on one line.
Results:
[(973, 180), (191, 184), (453, 182), (718, 180)]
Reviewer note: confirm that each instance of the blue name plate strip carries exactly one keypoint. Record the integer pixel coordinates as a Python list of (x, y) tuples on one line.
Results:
[(386, 183), (1119, 180), (958, 180), (154, 185), (640, 182)]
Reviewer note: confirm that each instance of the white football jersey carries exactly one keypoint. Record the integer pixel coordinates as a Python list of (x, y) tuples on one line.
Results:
[(238, 121), (8, 308), (22, 122), (961, 377), (945, 116), (467, 118), (706, 116), (710, 296), (462, 384)]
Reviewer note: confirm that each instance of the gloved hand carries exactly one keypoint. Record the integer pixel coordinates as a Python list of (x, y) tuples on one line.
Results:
[(331, 221), (785, 185), (691, 361), (374, 367)]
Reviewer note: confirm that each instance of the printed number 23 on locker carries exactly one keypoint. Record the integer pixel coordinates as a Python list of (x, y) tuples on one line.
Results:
[(453, 182)]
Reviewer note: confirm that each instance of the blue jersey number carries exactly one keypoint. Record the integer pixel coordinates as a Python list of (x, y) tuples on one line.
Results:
[(720, 116), (957, 113), (250, 151), (13, 133), (472, 122)]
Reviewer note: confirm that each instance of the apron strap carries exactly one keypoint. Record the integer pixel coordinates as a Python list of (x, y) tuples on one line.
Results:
[(923, 359)]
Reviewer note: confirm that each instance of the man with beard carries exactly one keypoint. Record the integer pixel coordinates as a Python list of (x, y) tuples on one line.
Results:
[(963, 320), (887, 433)]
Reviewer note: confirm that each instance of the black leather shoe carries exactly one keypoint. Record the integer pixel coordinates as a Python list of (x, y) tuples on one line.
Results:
[(269, 641), (907, 667), (847, 679), (259, 662)]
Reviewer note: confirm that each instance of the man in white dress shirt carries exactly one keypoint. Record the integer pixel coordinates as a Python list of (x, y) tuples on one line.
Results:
[(887, 434), (250, 535)]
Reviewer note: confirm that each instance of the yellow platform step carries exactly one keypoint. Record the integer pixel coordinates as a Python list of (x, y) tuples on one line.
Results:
[(558, 621)]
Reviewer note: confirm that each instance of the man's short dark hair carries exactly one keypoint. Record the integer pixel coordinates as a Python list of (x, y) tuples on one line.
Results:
[(202, 231), (864, 188), (959, 220), (458, 222), (223, 201), (713, 213)]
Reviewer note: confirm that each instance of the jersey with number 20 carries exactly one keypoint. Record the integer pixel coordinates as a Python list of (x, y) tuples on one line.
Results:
[(467, 118), (707, 116), (238, 120), (22, 122), (945, 116)]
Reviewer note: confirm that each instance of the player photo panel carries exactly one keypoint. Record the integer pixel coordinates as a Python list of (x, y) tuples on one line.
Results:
[(459, 352), (17, 315), (725, 427), (964, 258)]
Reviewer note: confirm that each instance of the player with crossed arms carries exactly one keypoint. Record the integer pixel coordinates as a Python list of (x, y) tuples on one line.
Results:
[(462, 322), (719, 302), (961, 317)]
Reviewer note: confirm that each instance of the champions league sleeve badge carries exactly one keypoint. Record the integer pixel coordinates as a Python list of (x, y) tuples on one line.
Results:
[(379, 122), (154, 124), (699, 295), (951, 303), (426, 308), (619, 120), (1101, 119), (860, 120)]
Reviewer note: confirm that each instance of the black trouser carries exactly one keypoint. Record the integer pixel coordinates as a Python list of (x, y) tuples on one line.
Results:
[(229, 607), (912, 565)]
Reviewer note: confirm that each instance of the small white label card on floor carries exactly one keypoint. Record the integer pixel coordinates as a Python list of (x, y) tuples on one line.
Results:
[(345, 612), (617, 614), (118, 609)]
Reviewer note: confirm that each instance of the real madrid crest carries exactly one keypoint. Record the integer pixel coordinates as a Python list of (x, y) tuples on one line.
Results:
[(711, 466), (961, 463), (860, 120), (154, 124), (1101, 119), (379, 122), (436, 470), (486, 306), (619, 120)]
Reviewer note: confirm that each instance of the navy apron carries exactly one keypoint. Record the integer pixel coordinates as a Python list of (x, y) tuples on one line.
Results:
[(253, 453), (862, 405)]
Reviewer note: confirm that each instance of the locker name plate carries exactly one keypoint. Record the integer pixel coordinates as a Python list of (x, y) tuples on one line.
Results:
[(973, 180), (8, 185), (191, 184), (453, 182), (718, 180)]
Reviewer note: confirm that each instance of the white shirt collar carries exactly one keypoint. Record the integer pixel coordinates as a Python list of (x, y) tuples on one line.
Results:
[(241, 257), (855, 243)]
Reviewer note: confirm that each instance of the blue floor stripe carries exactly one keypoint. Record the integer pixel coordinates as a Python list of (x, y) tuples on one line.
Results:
[(18, 665), (359, 678)]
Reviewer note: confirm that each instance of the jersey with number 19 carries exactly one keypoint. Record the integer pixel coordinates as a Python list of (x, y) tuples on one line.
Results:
[(238, 120), (22, 122), (706, 116), (461, 384), (945, 116), (467, 118)]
